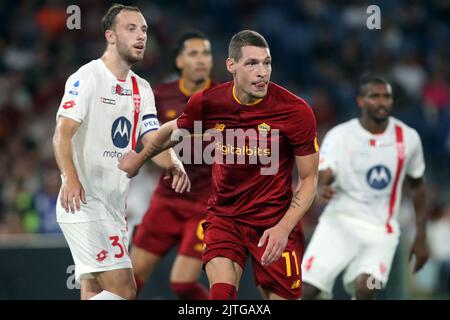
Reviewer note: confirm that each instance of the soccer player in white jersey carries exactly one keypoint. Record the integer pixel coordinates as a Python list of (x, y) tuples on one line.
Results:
[(363, 164), (106, 107)]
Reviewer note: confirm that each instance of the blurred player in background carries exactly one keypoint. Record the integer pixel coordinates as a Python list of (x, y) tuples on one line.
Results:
[(174, 219), (250, 212), (363, 163), (106, 107)]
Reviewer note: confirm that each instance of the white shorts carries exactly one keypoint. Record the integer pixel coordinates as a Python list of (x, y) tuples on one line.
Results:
[(97, 246), (340, 243)]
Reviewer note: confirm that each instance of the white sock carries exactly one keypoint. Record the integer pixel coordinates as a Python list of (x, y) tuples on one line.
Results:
[(106, 295)]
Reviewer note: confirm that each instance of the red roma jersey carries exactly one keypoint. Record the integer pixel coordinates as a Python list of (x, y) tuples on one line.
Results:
[(171, 99), (240, 190)]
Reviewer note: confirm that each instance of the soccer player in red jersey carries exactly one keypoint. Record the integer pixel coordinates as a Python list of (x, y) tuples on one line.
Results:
[(252, 209), (172, 218)]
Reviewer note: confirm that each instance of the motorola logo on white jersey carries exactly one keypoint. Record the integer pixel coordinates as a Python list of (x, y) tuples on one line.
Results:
[(121, 132), (378, 177)]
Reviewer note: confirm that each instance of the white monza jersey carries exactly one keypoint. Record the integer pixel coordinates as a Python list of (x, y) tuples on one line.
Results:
[(106, 109), (369, 171)]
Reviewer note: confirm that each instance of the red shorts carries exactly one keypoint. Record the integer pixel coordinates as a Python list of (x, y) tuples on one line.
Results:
[(169, 222), (234, 240)]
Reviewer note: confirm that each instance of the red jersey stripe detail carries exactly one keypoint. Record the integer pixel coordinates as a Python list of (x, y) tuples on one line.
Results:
[(400, 162), (137, 107)]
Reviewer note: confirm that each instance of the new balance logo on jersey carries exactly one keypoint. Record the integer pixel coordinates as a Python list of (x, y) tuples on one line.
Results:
[(378, 177), (121, 132)]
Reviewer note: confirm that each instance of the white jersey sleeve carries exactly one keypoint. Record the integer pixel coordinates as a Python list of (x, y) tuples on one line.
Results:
[(149, 117), (329, 152), (416, 165), (77, 96)]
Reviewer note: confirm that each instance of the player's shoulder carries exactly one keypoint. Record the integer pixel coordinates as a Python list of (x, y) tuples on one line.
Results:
[(163, 90), (408, 131), (282, 97), (349, 126), (217, 89), (85, 73), (167, 86)]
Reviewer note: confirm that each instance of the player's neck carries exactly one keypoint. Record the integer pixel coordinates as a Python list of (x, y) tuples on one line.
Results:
[(188, 87), (118, 67), (373, 126), (243, 98)]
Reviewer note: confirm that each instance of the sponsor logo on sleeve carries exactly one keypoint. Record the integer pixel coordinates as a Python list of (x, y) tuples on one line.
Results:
[(68, 104), (74, 90)]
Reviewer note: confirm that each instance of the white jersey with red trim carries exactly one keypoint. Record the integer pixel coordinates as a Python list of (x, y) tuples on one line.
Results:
[(370, 169), (106, 109)]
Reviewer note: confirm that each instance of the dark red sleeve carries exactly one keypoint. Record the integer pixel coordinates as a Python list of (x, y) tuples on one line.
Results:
[(301, 130), (157, 94), (192, 112)]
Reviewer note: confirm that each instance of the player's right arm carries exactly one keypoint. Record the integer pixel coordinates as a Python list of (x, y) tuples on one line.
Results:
[(72, 191), (155, 143), (72, 111), (324, 189)]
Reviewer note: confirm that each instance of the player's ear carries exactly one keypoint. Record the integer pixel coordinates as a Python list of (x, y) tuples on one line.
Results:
[(179, 62), (231, 66), (360, 101), (110, 37)]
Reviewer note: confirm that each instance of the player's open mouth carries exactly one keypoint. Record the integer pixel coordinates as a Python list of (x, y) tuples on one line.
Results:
[(139, 46), (260, 85)]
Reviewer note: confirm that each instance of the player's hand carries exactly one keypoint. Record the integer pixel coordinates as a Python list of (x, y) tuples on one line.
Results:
[(277, 238), (131, 162), (326, 193), (421, 251), (180, 180), (71, 194)]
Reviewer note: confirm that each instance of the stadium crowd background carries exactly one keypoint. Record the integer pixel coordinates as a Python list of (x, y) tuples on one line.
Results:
[(319, 50)]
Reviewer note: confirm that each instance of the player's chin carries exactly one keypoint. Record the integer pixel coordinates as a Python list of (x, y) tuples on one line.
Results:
[(135, 58), (259, 94), (381, 117)]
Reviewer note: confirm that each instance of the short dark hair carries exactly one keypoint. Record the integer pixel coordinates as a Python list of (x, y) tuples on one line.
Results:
[(109, 19), (193, 34), (369, 78), (242, 39)]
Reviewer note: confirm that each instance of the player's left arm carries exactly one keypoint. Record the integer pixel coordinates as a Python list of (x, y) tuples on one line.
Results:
[(419, 248), (304, 194), (415, 171)]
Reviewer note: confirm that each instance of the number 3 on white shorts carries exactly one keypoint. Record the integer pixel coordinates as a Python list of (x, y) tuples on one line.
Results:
[(115, 243)]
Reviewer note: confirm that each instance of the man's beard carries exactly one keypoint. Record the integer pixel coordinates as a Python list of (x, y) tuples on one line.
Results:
[(127, 55)]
